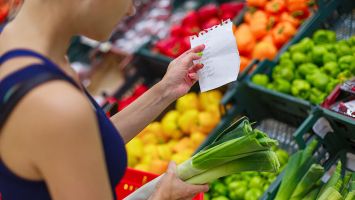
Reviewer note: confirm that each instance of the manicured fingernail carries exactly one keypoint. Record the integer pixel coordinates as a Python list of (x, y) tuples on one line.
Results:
[(200, 53)]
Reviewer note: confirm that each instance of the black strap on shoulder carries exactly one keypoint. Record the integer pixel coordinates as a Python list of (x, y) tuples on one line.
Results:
[(21, 91)]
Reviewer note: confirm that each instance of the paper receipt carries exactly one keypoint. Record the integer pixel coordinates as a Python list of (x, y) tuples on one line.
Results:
[(220, 57)]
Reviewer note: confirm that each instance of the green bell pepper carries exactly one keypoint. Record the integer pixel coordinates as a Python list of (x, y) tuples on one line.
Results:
[(351, 41), (331, 69), (286, 55), (218, 189), (260, 79), (319, 80), (282, 85), (253, 194), (331, 85), (206, 196), (317, 54), (256, 182), (281, 72), (287, 63), (344, 75), (220, 198), (300, 88), (270, 86), (237, 189), (329, 57), (317, 97), (306, 68), (342, 49), (347, 62), (303, 46), (324, 37), (299, 58)]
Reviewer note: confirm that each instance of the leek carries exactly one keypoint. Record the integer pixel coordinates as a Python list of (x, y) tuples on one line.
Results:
[(308, 181), (238, 148), (298, 164), (350, 196), (312, 195), (330, 194), (332, 181)]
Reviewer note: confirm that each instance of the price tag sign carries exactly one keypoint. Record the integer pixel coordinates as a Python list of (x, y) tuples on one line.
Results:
[(220, 57), (322, 127)]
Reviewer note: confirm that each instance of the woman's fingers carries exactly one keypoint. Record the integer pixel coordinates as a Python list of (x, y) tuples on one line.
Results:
[(171, 168), (195, 189), (196, 49), (195, 68)]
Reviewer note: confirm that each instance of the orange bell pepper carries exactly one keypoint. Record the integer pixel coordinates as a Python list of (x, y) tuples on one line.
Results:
[(282, 33), (268, 38), (258, 29), (286, 17), (298, 8), (245, 39), (244, 62), (264, 50), (275, 6), (259, 16), (248, 16), (257, 3)]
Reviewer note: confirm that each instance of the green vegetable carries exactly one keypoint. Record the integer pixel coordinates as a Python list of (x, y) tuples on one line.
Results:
[(319, 80), (218, 189), (311, 177), (253, 194), (351, 41), (295, 168), (332, 181), (282, 156), (347, 62), (330, 194), (350, 196), (342, 49), (324, 37), (282, 85), (317, 97), (238, 148), (256, 182), (299, 58), (317, 54), (206, 196), (220, 198), (344, 75), (329, 57), (260, 79), (285, 56), (312, 195), (306, 69), (331, 85), (287, 63), (300, 88), (237, 189), (281, 72), (331, 69)]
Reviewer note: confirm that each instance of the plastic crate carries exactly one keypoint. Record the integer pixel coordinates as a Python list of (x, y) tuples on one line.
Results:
[(134, 179)]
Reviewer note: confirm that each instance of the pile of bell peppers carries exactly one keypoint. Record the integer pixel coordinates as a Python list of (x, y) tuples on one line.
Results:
[(313, 67), (246, 185), (194, 21), (268, 25)]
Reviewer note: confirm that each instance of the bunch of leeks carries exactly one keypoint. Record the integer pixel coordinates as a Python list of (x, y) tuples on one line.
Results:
[(238, 148)]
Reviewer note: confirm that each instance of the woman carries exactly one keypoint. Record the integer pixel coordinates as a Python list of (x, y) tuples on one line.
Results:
[(55, 142)]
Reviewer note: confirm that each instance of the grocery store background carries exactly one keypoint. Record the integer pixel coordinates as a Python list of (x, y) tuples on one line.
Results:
[(296, 83)]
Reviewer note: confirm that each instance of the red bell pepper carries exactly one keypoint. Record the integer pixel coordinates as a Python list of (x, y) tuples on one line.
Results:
[(4, 12), (208, 11), (231, 8), (176, 31), (211, 22), (191, 18)]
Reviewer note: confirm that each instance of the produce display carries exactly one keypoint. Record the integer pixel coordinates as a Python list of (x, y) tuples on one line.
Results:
[(267, 26), (312, 68), (177, 135), (305, 183), (238, 148), (245, 185), (194, 21)]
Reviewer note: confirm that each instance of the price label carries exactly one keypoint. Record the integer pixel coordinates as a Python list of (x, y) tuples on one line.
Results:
[(322, 127)]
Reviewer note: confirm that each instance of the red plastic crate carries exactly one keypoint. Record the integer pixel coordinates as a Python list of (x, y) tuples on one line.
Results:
[(133, 179)]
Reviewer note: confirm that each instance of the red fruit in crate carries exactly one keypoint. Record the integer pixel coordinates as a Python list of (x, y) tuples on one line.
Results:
[(342, 107), (4, 11), (140, 89), (163, 45), (176, 31), (231, 7), (210, 23), (227, 15), (191, 30), (176, 50), (191, 18), (125, 102), (208, 11)]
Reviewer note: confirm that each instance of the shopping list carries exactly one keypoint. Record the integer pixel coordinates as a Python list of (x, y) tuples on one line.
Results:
[(220, 57)]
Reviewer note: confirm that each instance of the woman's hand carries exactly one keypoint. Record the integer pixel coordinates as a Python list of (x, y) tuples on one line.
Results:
[(182, 73), (171, 187)]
